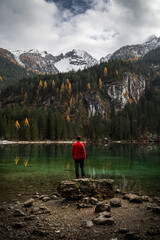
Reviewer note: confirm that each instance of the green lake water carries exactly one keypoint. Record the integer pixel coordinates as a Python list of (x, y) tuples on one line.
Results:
[(30, 168)]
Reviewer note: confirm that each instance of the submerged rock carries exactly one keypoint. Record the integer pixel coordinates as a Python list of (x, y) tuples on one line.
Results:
[(81, 188)]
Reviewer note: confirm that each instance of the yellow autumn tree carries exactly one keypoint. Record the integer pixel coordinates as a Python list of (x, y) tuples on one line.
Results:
[(17, 125), (77, 97), (69, 88), (66, 87), (40, 84), (45, 84), (26, 122), (89, 86), (100, 83), (62, 88), (68, 118), (25, 96), (0, 79), (105, 71), (53, 83), (57, 91), (71, 100), (117, 72), (67, 80)]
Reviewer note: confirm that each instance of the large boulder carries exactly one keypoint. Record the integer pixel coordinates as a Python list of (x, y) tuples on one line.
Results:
[(81, 188)]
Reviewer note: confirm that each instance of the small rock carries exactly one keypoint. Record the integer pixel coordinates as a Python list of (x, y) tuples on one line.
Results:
[(150, 206), (19, 195), (93, 201), (132, 236), (105, 214), (28, 203), (41, 197), (88, 224), (102, 207), (156, 209), (116, 202), (145, 198), (85, 200), (156, 199), (83, 205), (18, 213), (118, 191), (103, 221), (36, 196), (39, 232), (123, 230), (54, 197), (29, 218), (19, 225), (3, 209), (153, 231), (135, 198), (45, 199)]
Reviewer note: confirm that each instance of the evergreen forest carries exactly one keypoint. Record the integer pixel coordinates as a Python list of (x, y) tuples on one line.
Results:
[(52, 107)]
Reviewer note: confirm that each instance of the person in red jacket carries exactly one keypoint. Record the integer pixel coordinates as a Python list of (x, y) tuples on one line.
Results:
[(79, 155)]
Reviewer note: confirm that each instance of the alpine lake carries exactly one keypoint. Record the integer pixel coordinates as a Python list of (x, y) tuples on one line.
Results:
[(29, 168)]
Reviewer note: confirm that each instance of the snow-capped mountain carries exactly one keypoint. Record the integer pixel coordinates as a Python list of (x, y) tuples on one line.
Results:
[(134, 52), (43, 62), (75, 60)]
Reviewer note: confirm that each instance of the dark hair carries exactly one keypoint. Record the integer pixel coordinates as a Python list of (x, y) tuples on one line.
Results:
[(79, 138)]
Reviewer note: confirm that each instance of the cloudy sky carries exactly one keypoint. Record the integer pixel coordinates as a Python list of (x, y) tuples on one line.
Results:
[(98, 26)]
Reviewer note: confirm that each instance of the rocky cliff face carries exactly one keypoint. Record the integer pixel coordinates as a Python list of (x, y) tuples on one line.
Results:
[(120, 93), (129, 90)]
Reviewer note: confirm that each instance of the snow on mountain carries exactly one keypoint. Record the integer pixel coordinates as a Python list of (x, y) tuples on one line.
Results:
[(43, 62), (105, 59), (75, 60), (134, 52)]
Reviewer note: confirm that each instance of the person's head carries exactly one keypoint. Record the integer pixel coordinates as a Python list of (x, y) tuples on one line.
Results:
[(78, 138)]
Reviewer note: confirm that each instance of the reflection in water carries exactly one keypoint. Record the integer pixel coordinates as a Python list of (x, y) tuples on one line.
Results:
[(16, 160), (133, 167), (26, 162)]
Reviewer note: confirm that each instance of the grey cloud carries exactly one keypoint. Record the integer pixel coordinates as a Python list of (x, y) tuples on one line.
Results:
[(104, 27)]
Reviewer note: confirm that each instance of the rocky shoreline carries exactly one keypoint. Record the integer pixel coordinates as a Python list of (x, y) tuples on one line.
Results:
[(81, 217)]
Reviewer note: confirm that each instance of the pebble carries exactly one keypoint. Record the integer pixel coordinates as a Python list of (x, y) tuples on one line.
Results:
[(88, 224), (105, 214), (28, 203), (54, 197), (101, 207), (123, 230), (103, 221), (116, 202), (93, 201), (45, 199), (19, 225), (156, 209), (132, 236), (30, 218), (18, 213), (145, 198)]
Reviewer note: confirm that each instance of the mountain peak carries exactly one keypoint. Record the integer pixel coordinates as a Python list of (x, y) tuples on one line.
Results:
[(151, 38)]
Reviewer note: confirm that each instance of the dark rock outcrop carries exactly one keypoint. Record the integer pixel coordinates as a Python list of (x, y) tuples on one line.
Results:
[(81, 188)]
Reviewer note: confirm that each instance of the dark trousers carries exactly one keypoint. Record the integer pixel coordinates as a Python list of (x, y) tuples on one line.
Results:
[(81, 163)]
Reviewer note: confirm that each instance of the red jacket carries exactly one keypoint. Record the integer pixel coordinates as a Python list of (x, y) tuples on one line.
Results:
[(78, 151)]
